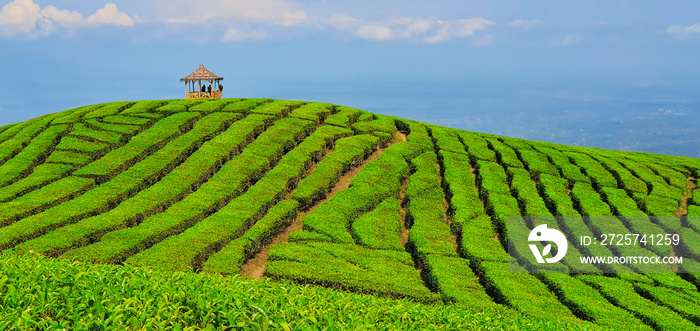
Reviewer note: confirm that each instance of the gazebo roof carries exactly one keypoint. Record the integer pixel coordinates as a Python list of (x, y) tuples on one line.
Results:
[(201, 74)]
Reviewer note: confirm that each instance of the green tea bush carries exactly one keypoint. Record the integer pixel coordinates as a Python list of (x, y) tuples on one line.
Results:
[(662, 189), (76, 114), (84, 132), (103, 197), (5, 127), (174, 186), (589, 201), (244, 105), (505, 155), (180, 105), (537, 163), (313, 111), (447, 140), (641, 170), (554, 190), (586, 303), (119, 244), (38, 149), (426, 177), (37, 200), (477, 146), (492, 179), (277, 108), (41, 175), (635, 219), (120, 128), (230, 222), (672, 177), (479, 241), (69, 158), (600, 176), (456, 282), (690, 242), (383, 127), (658, 184), (522, 291), (125, 119), (628, 181), (24, 131), (622, 294), (348, 152), (212, 105), (376, 181), (591, 205), (501, 207), (620, 202), (689, 309), (149, 115), (230, 259), (568, 170), (461, 187), (418, 134), (429, 233), (225, 224), (40, 293), (109, 109), (661, 206), (525, 190), (344, 117), (139, 146), (143, 107), (694, 210), (350, 267), (299, 236), (381, 227), (69, 143)]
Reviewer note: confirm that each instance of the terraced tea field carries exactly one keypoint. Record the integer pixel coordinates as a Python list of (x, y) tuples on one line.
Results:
[(312, 193)]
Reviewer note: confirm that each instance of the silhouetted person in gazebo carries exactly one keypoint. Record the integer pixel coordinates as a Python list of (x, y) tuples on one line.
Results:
[(221, 88), (204, 88), (209, 89)]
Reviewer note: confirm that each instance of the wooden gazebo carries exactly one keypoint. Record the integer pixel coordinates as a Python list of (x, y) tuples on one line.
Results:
[(199, 91)]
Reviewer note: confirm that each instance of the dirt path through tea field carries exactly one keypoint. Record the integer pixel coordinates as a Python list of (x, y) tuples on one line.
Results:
[(255, 267)]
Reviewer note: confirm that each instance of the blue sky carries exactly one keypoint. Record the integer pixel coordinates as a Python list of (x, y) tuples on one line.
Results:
[(59, 54)]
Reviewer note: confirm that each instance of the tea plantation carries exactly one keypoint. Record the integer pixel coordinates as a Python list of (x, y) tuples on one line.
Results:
[(150, 215)]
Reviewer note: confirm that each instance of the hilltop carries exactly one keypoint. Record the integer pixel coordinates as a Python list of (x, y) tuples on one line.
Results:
[(306, 193)]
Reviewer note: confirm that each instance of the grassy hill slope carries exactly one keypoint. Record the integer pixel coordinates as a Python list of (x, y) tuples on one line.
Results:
[(313, 193)]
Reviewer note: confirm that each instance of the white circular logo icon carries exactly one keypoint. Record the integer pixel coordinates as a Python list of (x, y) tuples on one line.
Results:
[(542, 233)]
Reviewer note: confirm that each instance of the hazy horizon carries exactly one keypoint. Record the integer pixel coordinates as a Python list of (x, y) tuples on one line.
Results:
[(607, 74)]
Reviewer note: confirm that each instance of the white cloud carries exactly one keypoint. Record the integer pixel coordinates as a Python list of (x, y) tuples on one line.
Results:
[(419, 26), (24, 17), (467, 27), (525, 24), (570, 39), (18, 17), (342, 22), (290, 19), (426, 30), (441, 35), (233, 34), (110, 15), (679, 30), (277, 12), (375, 32), (64, 17)]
